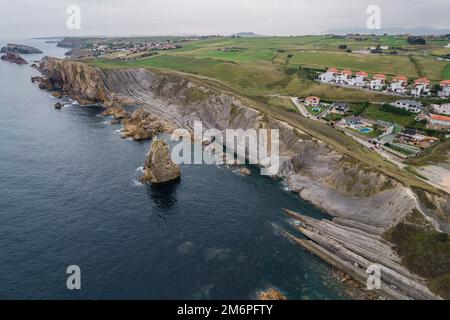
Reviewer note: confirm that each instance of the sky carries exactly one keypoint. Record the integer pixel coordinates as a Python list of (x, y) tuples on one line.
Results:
[(31, 18)]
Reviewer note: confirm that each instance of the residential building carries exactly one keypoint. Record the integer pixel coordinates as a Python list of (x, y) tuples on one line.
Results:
[(360, 79), (440, 120), (409, 105), (378, 82), (399, 85), (312, 101), (421, 87), (344, 76), (445, 89), (442, 109), (352, 120), (340, 107), (329, 76)]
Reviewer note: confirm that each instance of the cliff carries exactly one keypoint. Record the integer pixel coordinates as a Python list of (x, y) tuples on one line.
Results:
[(357, 194)]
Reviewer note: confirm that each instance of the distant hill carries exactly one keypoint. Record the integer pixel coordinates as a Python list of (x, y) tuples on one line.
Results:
[(246, 35), (392, 31)]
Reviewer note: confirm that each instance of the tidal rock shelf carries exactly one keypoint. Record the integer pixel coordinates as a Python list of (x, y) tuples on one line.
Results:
[(353, 250)]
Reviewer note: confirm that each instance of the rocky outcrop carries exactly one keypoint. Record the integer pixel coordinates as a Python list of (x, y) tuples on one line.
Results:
[(13, 58), (159, 167), (271, 294), (19, 48)]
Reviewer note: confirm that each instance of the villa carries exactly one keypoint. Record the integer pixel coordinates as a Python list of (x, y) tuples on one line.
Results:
[(399, 85), (378, 82), (353, 121), (421, 87), (409, 105), (329, 76), (439, 120), (344, 76), (442, 109), (340, 107), (312, 101), (445, 91), (360, 79)]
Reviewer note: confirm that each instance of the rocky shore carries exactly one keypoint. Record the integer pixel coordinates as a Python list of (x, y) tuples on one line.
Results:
[(358, 196), (13, 58)]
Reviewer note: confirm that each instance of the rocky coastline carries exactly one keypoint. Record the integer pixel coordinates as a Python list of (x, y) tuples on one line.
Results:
[(363, 198), (13, 58)]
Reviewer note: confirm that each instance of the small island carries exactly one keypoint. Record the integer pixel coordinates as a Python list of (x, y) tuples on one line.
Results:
[(13, 58), (19, 48)]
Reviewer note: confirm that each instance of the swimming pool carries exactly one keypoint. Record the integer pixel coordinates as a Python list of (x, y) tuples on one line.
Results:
[(366, 130)]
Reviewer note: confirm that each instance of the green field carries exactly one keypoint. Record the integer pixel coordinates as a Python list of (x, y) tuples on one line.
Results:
[(264, 66)]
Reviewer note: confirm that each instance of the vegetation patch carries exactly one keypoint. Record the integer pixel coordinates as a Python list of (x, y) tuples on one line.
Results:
[(423, 250)]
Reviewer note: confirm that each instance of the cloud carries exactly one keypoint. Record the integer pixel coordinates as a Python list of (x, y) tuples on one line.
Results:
[(27, 18)]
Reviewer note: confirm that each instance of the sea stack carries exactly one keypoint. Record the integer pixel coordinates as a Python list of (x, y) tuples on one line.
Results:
[(159, 167)]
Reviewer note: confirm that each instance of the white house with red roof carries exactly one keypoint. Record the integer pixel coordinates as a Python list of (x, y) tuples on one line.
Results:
[(442, 109), (344, 76), (439, 120), (445, 89), (399, 85), (329, 76), (312, 101), (378, 82), (360, 79), (421, 87)]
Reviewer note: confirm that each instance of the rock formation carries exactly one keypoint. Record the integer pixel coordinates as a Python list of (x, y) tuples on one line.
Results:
[(271, 294), (19, 48), (13, 58), (159, 167)]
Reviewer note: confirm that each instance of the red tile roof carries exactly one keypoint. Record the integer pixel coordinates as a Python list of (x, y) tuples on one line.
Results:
[(362, 74), (445, 83), (441, 118), (379, 76), (422, 81), (332, 70), (348, 72), (400, 78), (313, 98)]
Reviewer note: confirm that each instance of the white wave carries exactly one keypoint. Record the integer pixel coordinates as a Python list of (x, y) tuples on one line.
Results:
[(140, 169), (118, 131), (137, 183)]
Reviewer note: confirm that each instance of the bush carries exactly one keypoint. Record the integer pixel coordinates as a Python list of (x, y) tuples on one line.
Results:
[(416, 41), (388, 108)]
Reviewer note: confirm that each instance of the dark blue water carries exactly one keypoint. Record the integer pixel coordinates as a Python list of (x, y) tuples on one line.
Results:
[(68, 196)]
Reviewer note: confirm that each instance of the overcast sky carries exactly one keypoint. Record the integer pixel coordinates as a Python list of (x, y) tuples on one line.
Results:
[(30, 18)]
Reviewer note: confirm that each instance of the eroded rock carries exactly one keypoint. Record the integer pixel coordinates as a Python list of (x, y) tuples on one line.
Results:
[(159, 167)]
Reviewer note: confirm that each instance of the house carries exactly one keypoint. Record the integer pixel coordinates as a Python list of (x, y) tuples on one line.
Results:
[(442, 109), (340, 107), (440, 120), (360, 79), (329, 76), (421, 87), (353, 121), (399, 84), (445, 89), (344, 76), (409, 105), (447, 46), (384, 47), (312, 101), (378, 82)]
